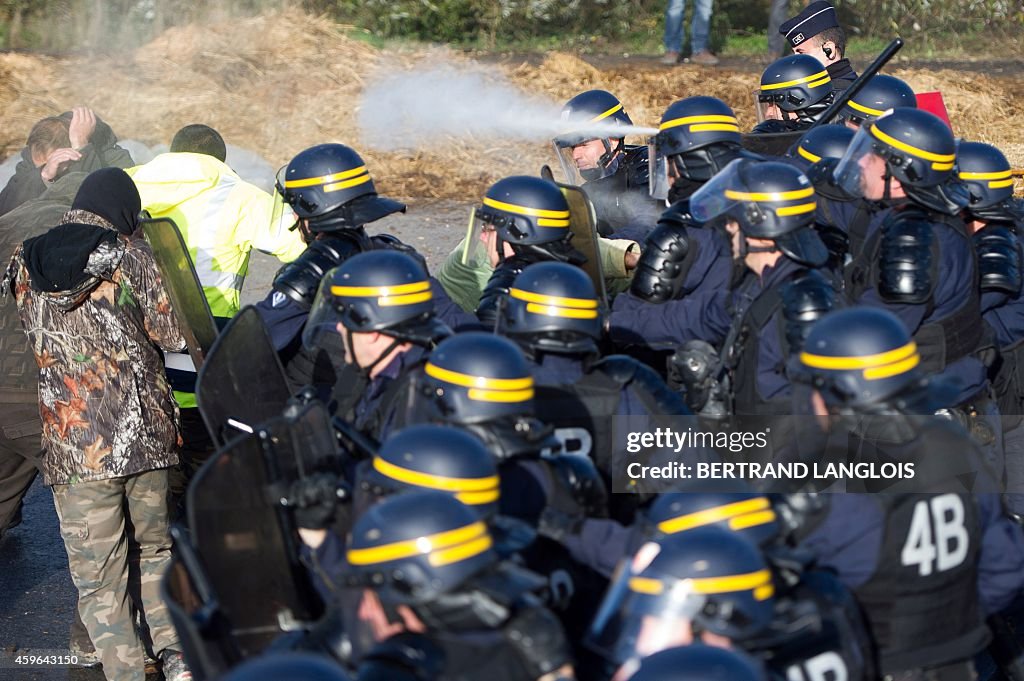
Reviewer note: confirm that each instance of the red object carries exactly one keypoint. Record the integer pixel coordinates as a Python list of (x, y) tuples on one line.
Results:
[(932, 102)]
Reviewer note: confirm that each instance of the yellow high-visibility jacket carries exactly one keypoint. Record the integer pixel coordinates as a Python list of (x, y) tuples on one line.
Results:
[(221, 218)]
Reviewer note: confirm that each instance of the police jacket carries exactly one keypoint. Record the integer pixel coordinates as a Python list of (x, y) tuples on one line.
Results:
[(757, 333), (944, 311), (27, 183), (927, 568), (621, 200), (842, 74)]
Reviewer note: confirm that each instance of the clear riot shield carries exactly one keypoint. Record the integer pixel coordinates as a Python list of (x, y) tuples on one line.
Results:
[(183, 287), (242, 383), (247, 545), (583, 223)]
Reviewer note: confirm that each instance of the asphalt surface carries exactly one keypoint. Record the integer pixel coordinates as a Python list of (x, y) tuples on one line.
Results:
[(37, 598)]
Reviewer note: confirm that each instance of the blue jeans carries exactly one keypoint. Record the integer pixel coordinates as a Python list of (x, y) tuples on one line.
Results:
[(699, 27)]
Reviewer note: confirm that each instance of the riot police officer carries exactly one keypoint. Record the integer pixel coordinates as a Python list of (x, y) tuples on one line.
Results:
[(929, 535), (877, 96), (380, 306), (553, 314), (697, 137), (768, 210), (995, 219), (823, 142), (698, 663), (794, 92), (709, 585), (425, 562), (593, 155), (902, 168), (333, 196)]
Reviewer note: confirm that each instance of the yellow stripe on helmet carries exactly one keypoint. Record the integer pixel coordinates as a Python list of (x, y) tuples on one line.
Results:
[(714, 127), (606, 114), (478, 498), (457, 554), (325, 179), (742, 522), (939, 161), (770, 196), (760, 582), (564, 312), (715, 514), (531, 297), (821, 76), (524, 210), (504, 396), (864, 109), (646, 585), (550, 222), (999, 184), (388, 296), (431, 481), (409, 299), (428, 544), (995, 175), (875, 367), (691, 120), (337, 186), (808, 155), (481, 382), (799, 209)]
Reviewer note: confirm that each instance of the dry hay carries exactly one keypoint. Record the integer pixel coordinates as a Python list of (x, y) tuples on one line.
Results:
[(278, 83)]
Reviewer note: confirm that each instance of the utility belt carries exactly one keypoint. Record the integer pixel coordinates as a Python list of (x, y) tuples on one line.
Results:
[(955, 671)]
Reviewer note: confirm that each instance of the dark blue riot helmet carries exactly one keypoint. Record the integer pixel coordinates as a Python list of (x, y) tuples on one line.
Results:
[(718, 503), (329, 186), (436, 457), (699, 662), (798, 85), (708, 578), (477, 377), (878, 95), (383, 291), (864, 359), (987, 174), (769, 200), (591, 115), (415, 546), (698, 136), (823, 142), (552, 307), (918, 149)]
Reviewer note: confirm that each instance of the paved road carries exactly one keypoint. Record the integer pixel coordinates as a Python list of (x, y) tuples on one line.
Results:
[(37, 598)]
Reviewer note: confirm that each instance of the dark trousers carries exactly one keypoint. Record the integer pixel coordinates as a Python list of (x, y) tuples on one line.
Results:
[(197, 447)]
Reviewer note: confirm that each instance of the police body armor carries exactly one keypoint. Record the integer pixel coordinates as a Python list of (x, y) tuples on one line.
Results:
[(1000, 270), (582, 412), (922, 602), (300, 279), (803, 298), (901, 260), (621, 198), (667, 256)]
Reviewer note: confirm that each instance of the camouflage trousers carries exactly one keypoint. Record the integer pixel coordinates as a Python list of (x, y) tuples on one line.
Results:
[(115, 534)]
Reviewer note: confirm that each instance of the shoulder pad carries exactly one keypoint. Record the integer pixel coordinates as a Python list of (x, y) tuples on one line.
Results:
[(822, 177), (649, 386), (999, 258), (391, 242), (537, 636), (805, 300), (636, 167), (577, 486), (300, 278), (666, 258), (906, 260)]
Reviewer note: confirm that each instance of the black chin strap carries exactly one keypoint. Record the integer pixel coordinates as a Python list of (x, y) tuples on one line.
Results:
[(365, 371)]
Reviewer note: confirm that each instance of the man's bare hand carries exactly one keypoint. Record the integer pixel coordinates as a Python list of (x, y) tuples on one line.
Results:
[(57, 161), (631, 259), (83, 123)]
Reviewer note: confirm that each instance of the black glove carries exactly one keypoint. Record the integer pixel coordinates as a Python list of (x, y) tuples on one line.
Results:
[(315, 499), (497, 287)]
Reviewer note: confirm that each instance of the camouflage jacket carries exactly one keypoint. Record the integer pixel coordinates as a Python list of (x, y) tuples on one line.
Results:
[(104, 401)]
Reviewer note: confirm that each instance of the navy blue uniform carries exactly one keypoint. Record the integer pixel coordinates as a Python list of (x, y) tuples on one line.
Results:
[(709, 317)]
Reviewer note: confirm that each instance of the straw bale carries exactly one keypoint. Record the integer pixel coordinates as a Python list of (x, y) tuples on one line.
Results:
[(283, 81)]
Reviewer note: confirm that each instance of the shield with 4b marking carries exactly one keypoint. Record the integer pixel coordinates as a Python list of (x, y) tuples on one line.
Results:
[(183, 287)]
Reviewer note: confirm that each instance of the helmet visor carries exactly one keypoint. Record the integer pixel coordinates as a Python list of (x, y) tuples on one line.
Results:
[(767, 106), (641, 615), (659, 181), (481, 240), (321, 330), (565, 159), (859, 163), (282, 217), (719, 195)]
